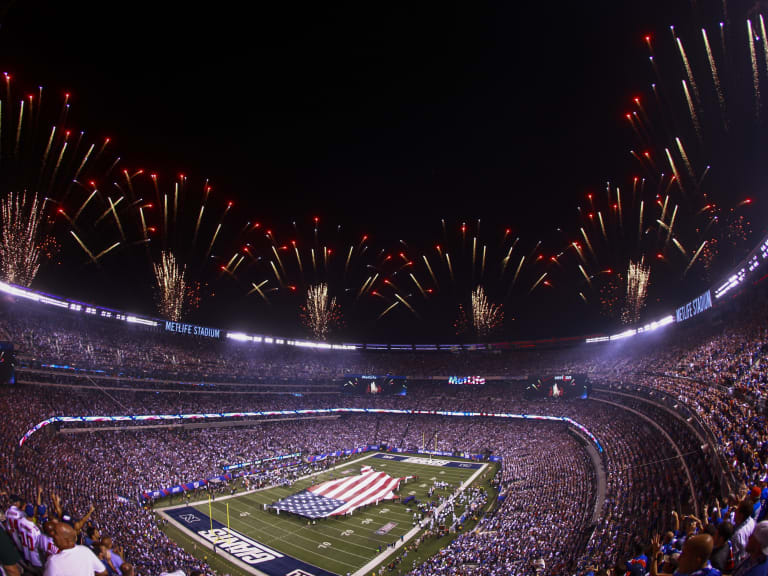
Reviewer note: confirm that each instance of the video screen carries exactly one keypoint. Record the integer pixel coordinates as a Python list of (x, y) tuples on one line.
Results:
[(565, 386), (369, 385)]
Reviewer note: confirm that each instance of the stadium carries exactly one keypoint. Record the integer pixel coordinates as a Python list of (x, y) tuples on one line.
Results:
[(193, 384)]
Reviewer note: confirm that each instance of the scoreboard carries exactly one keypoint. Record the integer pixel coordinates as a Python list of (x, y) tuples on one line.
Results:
[(560, 386), (373, 385)]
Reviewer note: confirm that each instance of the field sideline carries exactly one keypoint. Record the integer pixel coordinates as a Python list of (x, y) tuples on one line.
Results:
[(341, 545)]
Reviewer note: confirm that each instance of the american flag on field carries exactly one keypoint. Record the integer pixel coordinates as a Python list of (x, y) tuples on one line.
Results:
[(341, 496)]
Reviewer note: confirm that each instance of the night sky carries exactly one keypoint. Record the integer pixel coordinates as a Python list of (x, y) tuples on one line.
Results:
[(383, 117)]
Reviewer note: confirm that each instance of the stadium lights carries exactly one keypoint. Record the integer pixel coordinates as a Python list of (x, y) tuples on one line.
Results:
[(239, 336), (650, 327), (626, 334), (657, 324), (731, 283), (142, 321)]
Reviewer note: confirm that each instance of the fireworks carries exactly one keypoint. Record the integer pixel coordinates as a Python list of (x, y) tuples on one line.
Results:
[(638, 276), (672, 225), (40, 153), (320, 313), (172, 289), (486, 316), (19, 238)]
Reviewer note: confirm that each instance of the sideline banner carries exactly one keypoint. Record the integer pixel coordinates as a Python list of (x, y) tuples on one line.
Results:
[(245, 549)]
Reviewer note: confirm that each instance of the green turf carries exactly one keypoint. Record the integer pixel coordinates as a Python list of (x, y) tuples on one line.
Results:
[(345, 544)]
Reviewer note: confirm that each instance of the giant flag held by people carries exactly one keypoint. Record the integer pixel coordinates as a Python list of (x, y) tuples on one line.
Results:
[(341, 496)]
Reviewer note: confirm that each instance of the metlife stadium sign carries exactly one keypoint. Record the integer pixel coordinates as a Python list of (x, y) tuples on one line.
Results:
[(694, 307), (192, 329)]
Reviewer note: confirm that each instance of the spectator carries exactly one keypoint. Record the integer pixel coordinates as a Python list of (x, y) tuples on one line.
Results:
[(756, 564), (9, 556), (72, 559)]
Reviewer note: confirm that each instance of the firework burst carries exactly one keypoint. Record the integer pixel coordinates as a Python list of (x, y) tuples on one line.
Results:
[(638, 278), (40, 152), (320, 313), (486, 316), (178, 227), (173, 293), (282, 262), (20, 250)]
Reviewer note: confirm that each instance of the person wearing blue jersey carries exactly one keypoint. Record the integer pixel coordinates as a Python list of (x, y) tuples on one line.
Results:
[(694, 559)]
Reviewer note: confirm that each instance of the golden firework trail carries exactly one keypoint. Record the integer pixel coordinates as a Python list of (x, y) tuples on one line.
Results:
[(171, 285), (638, 277), (298, 259), (429, 268), (450, 267), (755, 71), (405, 303), (418, 285), (390, 307), (321, 311), (671, 225), (535, 284), (715, 74), (19, 236), (672, 165), (586, 276), (349, 257), (257, 288), (485, 316), (688, 70), (84, 204), (692, 110), (684, 156), (764, 40), (588, 243), (695, 256), (18, 127), (679, 246), (602, 224), (517, 272)]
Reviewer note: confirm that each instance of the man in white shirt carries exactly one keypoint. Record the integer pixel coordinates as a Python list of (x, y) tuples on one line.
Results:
[(29, 537), (745, 524), (72, 559), (12, 517)]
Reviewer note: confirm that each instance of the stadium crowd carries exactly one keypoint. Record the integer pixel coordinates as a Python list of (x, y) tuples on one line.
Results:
[(653, 460)]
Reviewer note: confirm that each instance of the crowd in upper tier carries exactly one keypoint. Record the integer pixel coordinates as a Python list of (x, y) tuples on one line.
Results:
[(681, 419)]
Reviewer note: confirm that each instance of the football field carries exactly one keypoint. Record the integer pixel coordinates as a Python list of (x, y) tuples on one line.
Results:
[(340, 545)]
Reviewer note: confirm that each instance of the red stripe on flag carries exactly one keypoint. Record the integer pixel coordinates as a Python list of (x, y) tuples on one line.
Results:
[(375, 492), (335, 486)]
